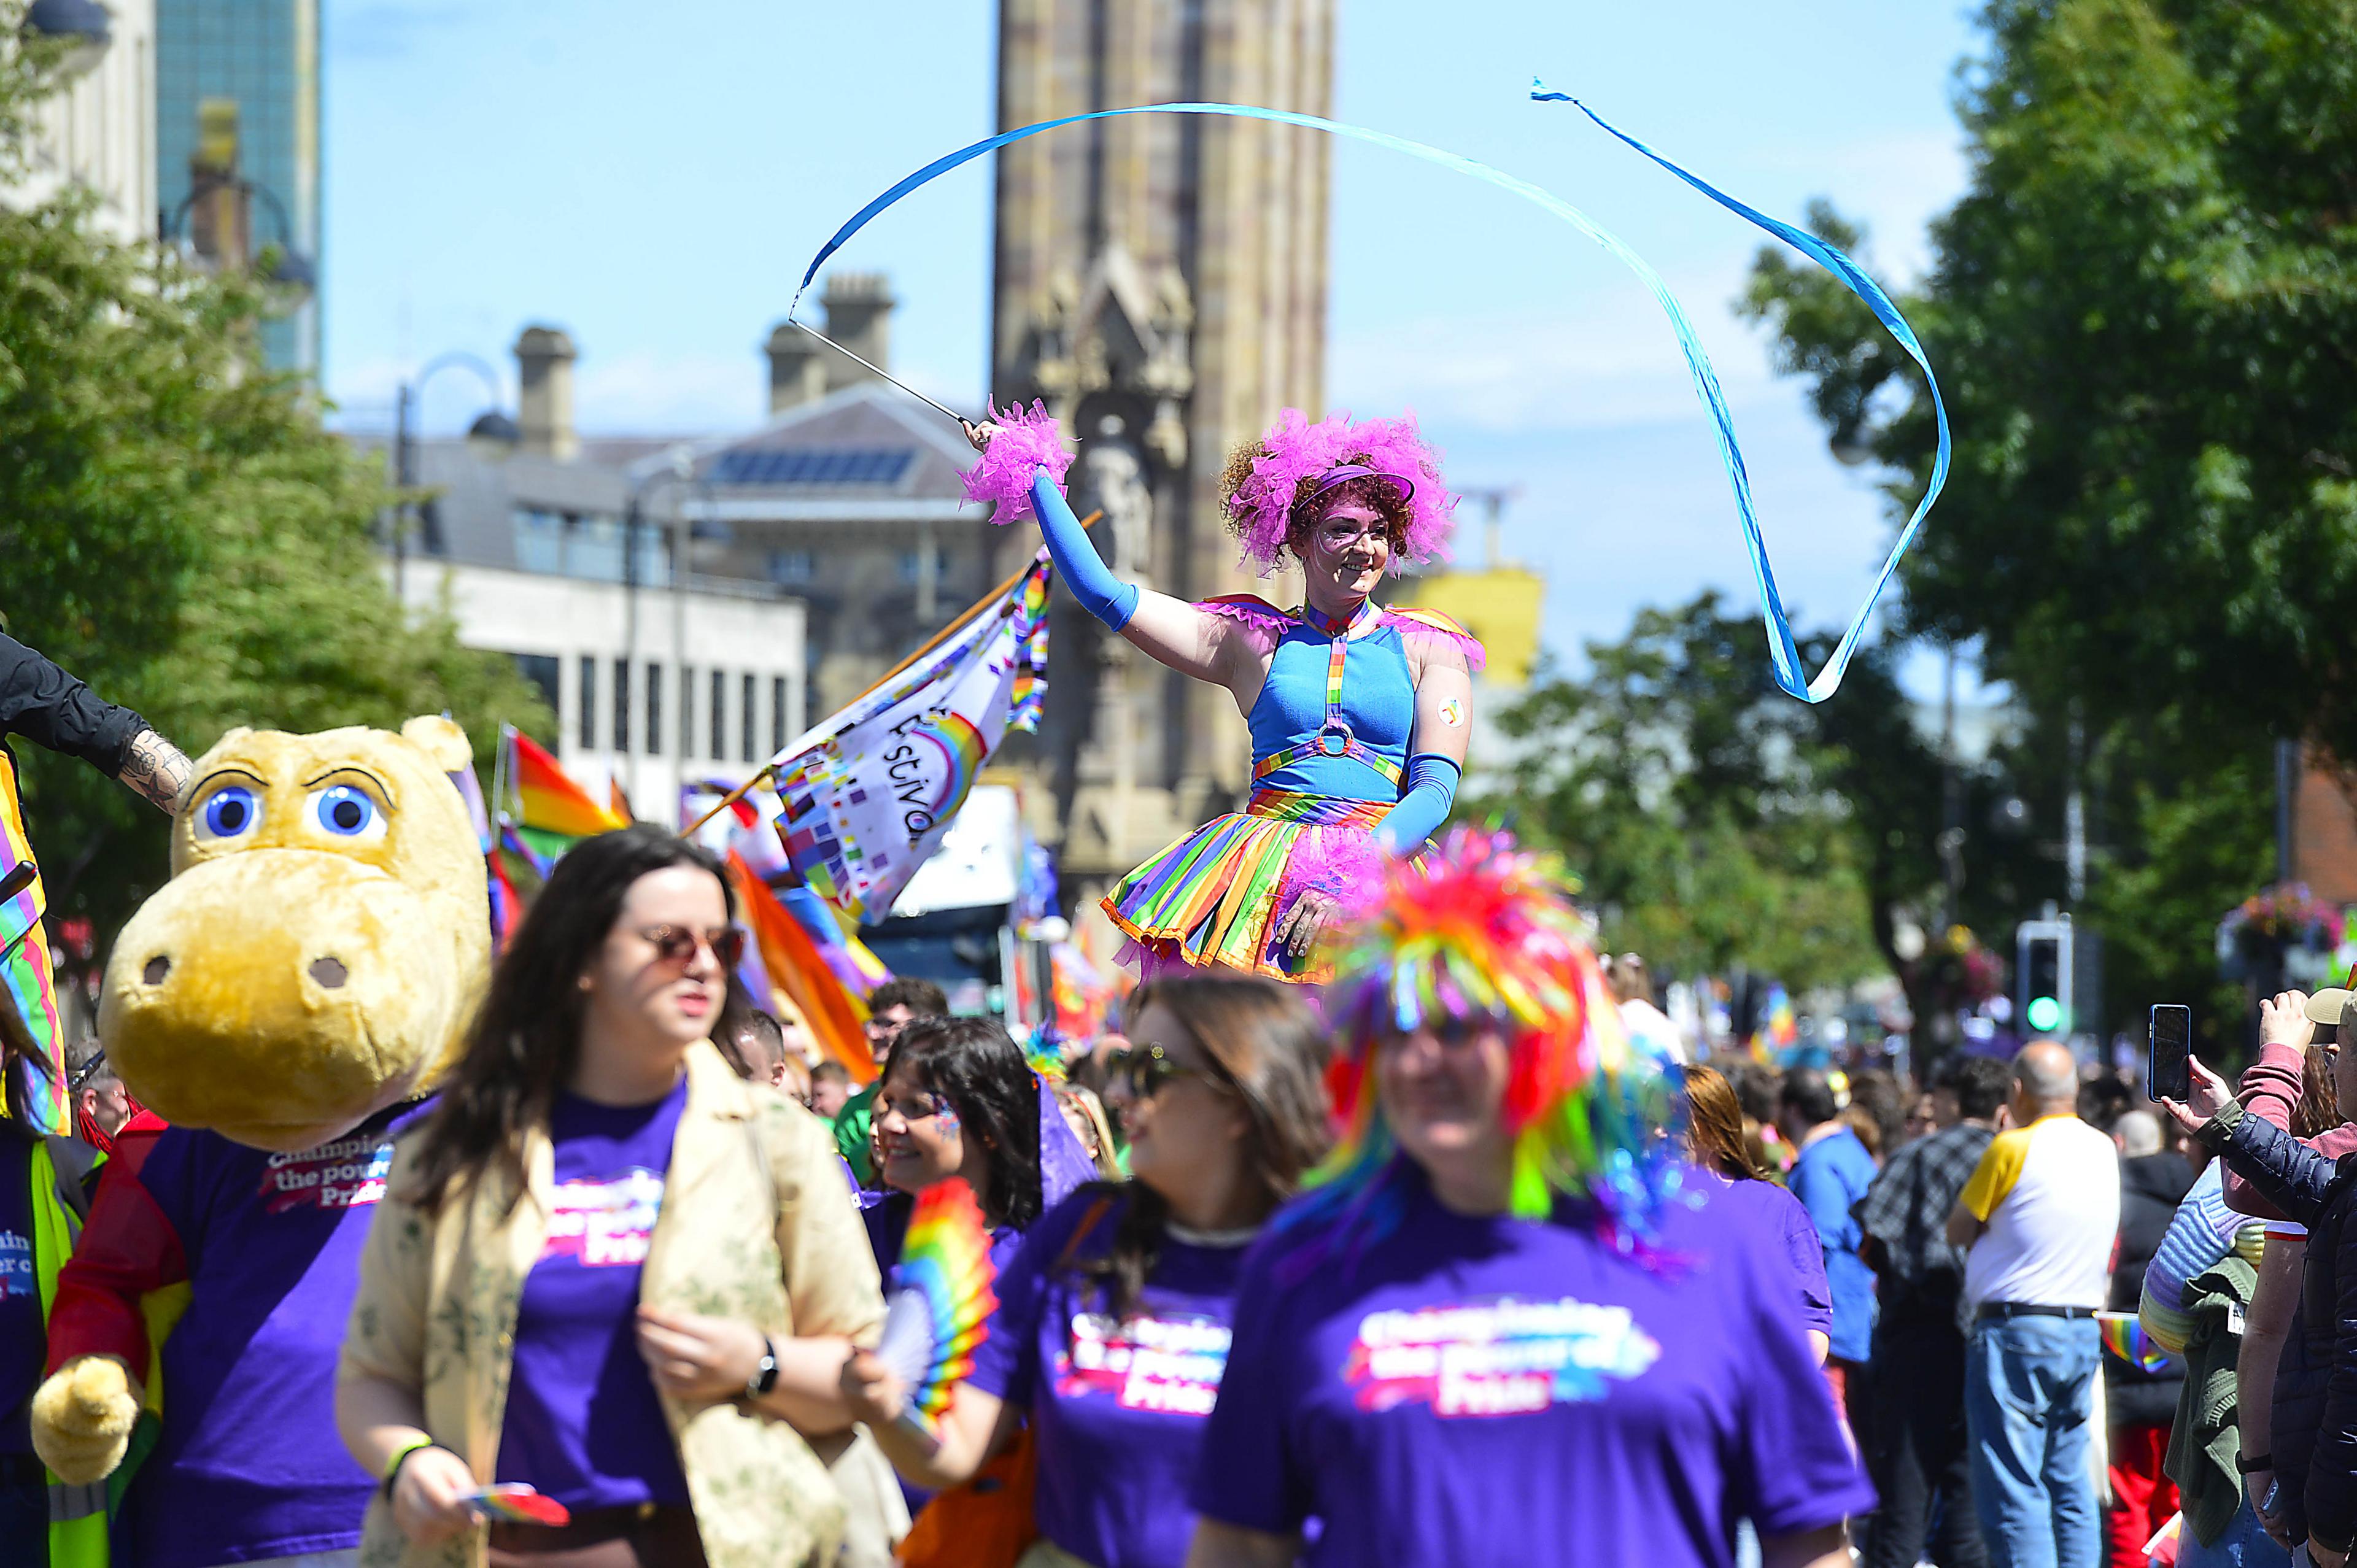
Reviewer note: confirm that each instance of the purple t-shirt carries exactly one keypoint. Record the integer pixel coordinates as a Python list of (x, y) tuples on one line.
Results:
[(1496, 1389), (249, 1465), (1117, 1408), (1767, 1212), (582, 1423)]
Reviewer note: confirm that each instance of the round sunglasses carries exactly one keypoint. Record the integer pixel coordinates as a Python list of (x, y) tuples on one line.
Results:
[(1144, 1070), (677, 944)]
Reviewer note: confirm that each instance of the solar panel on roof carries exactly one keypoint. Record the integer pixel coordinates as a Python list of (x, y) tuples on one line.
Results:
[(814, 465)]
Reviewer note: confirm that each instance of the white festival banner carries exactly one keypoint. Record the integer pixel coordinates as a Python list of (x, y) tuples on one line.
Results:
[(869, 793)]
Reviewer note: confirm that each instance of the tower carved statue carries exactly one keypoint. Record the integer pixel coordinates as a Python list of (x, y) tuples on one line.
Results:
[(1161, 284)]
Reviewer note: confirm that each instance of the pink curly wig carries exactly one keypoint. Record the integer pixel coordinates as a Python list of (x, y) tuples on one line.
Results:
[(1268, 482)]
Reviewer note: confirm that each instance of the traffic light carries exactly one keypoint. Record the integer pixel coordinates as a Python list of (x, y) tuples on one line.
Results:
[(2042, 975)]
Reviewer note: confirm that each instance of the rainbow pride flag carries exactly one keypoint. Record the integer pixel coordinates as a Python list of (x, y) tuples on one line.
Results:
[(853, 961), (791, 964), (2123, 1336), (547, 800), (24, 963)]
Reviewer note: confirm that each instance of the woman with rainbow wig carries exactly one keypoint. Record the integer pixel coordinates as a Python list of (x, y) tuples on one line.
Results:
[(1505, 1325), (1358, 713)]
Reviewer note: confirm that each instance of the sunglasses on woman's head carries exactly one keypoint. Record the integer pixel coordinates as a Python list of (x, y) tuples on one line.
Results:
[(1145, 1068), (677, 944)]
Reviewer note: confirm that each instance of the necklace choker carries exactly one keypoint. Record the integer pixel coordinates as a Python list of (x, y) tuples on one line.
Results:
[(1194, 1238)]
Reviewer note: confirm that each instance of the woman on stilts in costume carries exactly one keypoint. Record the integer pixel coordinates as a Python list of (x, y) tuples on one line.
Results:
[(1360, 712)]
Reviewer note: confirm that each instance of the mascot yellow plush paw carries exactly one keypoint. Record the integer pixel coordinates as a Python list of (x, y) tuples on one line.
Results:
[(285, 1002), (82, 1419)]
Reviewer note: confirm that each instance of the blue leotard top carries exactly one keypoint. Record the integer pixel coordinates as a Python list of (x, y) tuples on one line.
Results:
[(1378, 705)]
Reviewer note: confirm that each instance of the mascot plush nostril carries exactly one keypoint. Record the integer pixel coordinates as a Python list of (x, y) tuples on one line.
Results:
[(329, 972), (157, 968)]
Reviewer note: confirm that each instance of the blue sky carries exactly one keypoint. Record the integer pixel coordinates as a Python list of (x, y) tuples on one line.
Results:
[(654, 178)]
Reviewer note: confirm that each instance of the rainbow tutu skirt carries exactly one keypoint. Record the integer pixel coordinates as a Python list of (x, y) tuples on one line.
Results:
[(1213, 900)]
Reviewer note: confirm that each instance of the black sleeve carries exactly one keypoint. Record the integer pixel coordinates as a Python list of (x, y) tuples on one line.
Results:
[(2285, 1172), (2331, 1493), (53, 710)]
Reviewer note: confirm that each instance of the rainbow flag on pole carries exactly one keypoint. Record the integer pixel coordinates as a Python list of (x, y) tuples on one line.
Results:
[(868, 802), (552, 809)]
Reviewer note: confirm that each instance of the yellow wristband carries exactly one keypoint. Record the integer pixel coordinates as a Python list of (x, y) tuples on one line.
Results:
[(400, 1457)]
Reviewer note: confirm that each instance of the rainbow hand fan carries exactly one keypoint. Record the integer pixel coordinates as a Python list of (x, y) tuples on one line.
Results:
[(2123, 1337), (942, 1301), (512, 1502)]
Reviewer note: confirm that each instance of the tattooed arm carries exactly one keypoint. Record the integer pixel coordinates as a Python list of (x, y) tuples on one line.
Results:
[(158, 769), (50, 707)]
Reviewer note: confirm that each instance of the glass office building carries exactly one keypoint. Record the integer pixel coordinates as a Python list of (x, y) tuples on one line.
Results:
[(237, 100)]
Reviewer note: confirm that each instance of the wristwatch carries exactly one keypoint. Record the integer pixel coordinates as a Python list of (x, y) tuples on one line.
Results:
[(765, 1376)]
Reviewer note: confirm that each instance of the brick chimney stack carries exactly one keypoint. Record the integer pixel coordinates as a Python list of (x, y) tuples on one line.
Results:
[(544, 357), (859, 316), (797, 367)]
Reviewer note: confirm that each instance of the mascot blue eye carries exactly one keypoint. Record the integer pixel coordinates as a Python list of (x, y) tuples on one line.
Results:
[(344, 812), (231, 814)]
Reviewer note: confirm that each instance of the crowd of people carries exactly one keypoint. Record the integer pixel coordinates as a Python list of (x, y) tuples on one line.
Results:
[(1394, 1227), (1294, 1298)]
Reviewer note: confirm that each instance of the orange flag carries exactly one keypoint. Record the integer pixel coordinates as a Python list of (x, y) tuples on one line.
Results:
[(795, 967)]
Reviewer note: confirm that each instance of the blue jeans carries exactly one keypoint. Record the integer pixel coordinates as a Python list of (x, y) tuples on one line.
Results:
[(2244, 1545), (2029, 1388)]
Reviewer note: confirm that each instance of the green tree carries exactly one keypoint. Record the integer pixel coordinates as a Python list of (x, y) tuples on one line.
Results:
[(2143, 313), (1700, 807), (179, 530)]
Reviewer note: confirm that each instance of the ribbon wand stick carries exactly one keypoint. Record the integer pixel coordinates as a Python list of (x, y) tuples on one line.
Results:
[(950, 412)]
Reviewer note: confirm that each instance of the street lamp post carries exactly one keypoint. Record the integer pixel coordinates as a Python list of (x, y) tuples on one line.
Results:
[(677, 469), (293, 268), (492, 426)]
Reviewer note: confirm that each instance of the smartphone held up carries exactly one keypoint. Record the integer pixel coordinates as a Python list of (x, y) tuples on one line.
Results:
[(2169, 1073)]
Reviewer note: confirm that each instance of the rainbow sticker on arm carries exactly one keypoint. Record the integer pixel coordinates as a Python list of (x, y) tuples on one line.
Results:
[(942, 1301)]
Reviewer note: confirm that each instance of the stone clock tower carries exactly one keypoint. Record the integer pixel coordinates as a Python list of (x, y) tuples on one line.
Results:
[(1160, 283)]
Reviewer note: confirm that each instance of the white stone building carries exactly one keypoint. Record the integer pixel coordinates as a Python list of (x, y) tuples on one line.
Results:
[(659, 678), (98, 130)]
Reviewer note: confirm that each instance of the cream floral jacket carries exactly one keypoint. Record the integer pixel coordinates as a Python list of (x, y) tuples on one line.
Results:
[(757, 1224)]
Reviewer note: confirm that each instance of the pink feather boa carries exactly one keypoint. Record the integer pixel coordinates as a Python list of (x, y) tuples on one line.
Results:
[(1296, 452), (1026, 442)]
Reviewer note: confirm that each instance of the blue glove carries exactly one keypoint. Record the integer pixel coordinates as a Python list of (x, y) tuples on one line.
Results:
[(1101, 593), (1422, 806)]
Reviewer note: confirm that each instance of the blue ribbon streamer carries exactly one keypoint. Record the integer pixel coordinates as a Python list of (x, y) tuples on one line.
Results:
[(1853, 278), (1784, 655)]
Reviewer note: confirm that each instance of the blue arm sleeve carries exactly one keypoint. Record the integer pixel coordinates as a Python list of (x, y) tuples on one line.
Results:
[(1422, 806), (1101, 593)]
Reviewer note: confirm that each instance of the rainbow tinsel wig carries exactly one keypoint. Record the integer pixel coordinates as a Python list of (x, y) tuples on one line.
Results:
[(1484, 931)]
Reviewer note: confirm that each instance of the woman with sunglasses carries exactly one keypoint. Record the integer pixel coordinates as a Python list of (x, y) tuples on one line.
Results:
[(1114, 1319), (957, 1101), (607, 1268), (1359, 711), (1497, 1330)]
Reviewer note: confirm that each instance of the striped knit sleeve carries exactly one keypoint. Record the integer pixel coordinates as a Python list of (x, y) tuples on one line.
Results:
[(2201, 1234)]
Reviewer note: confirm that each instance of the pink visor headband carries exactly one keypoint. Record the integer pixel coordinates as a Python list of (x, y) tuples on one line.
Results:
[(1343, 473)]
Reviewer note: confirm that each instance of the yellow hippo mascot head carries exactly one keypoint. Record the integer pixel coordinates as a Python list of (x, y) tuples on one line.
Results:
[(322, 944)]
